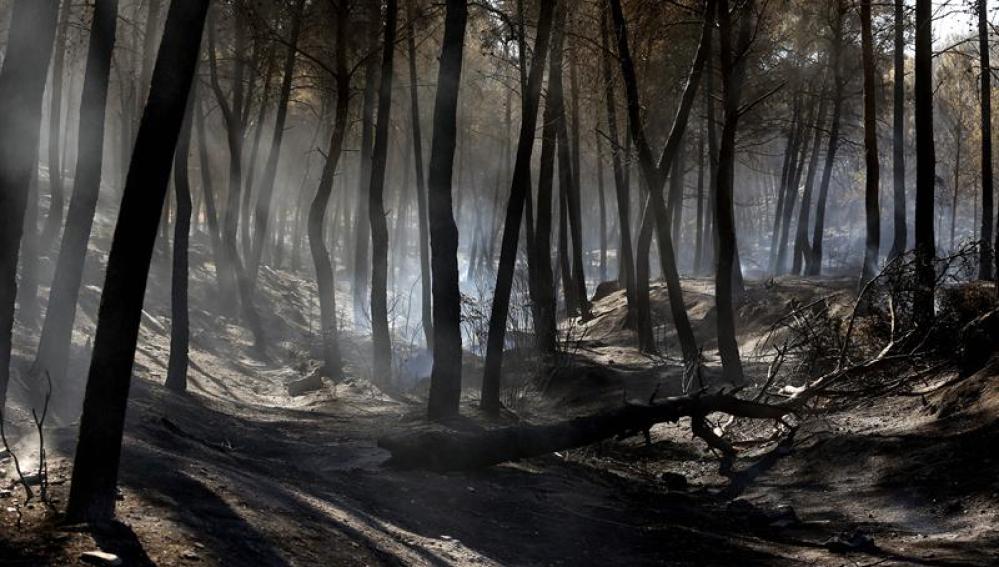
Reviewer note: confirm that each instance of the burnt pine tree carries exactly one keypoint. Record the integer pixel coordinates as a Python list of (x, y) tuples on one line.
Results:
[(792, 194), (783, 188), (445, 378), (733, 67), (423, 225), (813, 266), (802, 248), (262, 107), (236, 283), (380, 338), (925, 164), (22, 85), (231, 118), (568, 170), (626, 255), (208, 193), (985, 270), (569, 294), (29, 308), (655, 175), (554, 133), (262, 211), (674, 196), (54, 345), (520, 186), (180, 332), (332, 361), (53, 219), (899, 228), (98, 452), (249, 62), (699, 219), (710, 230), (154, 9), (362, 226), (543, 293), (601, 204), (872, 206), (643, 300)]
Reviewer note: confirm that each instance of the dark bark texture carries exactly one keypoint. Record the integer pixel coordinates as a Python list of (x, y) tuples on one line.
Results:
[(445, 378), (95, 468), (520, 188)]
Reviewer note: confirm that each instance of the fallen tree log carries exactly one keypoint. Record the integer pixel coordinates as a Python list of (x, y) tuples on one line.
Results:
[(463, 450)]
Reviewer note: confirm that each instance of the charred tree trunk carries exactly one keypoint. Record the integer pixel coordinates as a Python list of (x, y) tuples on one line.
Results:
[(925, 165), (562, 257), (792, 194), (626, 256), (813, 266), (568, 181), (237, 284), (802, 248), (899, 228), (95, 469), (262, 211), (399, 244), (380, 337), (421, 186), (54, 345), (507, 164), (362, 222), (245, 238), (544, 302), (569, 223), (151, 31), (985, 270), (602, 206), (467, 450), (445, 379), (643, 302), (176, 379), (53, 219), (872, 206), (699, 229), (258, 133), (569, 131), (27, 292), (22, 86), (656, 174), (957, 178), (710, 230), (321, 257), (733, 75), (473, 254), (229, 215), (783, 189), (487, 259), (520, 187), (675, 196), (207, 189)]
